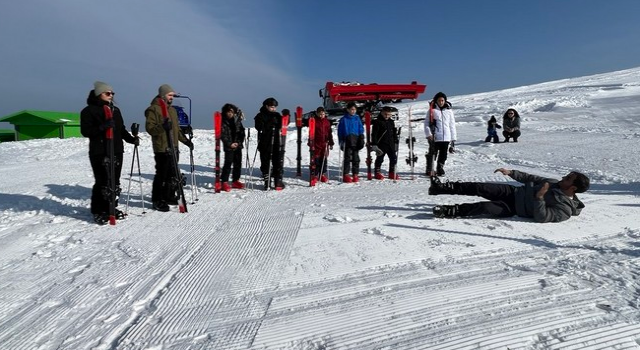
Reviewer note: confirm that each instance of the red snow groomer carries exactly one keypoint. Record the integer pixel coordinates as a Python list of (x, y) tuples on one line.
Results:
[(368, 97)]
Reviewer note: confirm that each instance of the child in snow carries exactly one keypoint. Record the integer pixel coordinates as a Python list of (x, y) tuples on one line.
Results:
[(232, 142), (383, 141), (492, 130), (351, 139), (323, 142), (268, 123)]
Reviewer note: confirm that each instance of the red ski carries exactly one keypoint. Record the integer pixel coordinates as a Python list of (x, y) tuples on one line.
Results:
[(182, 202), (283, 143), (299, 130), (111, 168), (312, 151), (367, 130), (217, 123)]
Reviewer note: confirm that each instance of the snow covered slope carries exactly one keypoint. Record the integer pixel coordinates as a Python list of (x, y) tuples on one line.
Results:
[(339, 266)]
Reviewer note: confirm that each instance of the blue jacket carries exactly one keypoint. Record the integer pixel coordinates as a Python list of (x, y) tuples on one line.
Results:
[(349, 125)]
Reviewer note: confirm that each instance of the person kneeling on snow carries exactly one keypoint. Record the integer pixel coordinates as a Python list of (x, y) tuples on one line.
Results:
[(543, 199)]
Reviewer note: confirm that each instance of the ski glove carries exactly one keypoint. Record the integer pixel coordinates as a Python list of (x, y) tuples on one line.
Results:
[(378, 151), (189, 144), (452, 147), (136, 140), (107, 124), (166, 125)]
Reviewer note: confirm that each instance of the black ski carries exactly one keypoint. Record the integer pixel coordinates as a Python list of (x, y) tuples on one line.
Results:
[(182, 202), (110, 163)]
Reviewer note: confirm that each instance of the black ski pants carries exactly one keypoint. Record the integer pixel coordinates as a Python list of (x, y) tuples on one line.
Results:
[(393, 158), (162, 181), (514, 135), (502, 200), (351, 160), (99, 200), (232, 158), (275, 159), (437, 150)]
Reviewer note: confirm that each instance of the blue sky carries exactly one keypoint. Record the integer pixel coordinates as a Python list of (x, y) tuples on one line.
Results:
[(243, 51)]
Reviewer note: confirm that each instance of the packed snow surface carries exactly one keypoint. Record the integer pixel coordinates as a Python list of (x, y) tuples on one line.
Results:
[(337, 266)]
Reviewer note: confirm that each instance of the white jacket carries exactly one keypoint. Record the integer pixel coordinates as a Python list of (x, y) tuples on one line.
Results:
[(445, 121)]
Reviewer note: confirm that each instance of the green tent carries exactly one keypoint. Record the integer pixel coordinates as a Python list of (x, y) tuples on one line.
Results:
[(44, 124)]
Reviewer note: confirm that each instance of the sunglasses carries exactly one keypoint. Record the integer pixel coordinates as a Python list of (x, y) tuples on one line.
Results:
[(109, 93)]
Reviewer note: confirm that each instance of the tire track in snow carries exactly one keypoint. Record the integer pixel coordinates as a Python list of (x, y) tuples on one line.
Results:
[(230, 278), (527, 299)]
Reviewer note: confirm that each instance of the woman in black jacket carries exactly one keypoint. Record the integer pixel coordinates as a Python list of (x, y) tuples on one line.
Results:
[(93, 124)]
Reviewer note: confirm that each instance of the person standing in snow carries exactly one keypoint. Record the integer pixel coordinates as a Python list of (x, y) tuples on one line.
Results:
[(351, 139), (165, 183), (268, 123), (440, 129), (511, 123), (543, 199), (93, 125), (232, 144), (383, 141), (323, 142), (492, 130)]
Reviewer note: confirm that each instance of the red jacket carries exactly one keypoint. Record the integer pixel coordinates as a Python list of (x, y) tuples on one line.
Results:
[(323, 135)]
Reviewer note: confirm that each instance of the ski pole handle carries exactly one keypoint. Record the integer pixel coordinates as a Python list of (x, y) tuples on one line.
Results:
[(134, 129)]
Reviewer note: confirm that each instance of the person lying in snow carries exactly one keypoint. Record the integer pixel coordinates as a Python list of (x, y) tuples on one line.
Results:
[(543, 199)]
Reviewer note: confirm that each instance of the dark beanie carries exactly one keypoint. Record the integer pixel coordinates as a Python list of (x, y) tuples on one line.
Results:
[(164, 89), (438, 95)]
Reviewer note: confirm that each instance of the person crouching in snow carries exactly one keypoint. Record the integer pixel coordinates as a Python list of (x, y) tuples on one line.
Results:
[(383, 142), (511, 123), (351, 139), (543, 199), (323, 142), (492, 130), (232, 142)]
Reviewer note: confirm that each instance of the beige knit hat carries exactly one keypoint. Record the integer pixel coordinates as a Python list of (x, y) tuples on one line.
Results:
[(100, 87)]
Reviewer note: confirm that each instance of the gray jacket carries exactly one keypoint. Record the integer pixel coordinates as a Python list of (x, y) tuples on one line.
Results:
[(555, 207)]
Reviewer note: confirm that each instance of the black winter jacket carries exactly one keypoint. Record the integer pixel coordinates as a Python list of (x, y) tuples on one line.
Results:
[(383, 133), (232, 132), (266, 123), (93, 117)]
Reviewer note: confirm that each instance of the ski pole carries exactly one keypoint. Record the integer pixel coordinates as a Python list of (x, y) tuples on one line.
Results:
[(324, 158), (339, 162), (194, 184), (246, 151), (134, 132), (255, 154)]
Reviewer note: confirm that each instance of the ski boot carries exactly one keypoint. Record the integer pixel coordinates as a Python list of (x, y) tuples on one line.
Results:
[(226, 187), (446, 211), (347, 179), (314, 181), (393, 176), (355, 178), (438, 187), (324, 178), (378, 176), (237, 185), (101, 219)]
